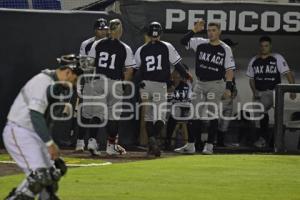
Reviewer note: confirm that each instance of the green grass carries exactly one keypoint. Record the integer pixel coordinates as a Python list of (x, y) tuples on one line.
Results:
[(224, 177)]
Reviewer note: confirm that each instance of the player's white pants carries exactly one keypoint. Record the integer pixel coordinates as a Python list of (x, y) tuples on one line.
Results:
[(105, 92), (207, 96), (155, 93), (26, 148)]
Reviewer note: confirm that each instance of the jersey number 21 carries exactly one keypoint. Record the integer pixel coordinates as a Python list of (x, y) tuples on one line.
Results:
[(104, 59), (153, 63)]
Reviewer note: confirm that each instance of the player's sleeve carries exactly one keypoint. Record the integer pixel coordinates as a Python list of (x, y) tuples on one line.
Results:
[(174, 56), (250, 72), (195, 42), (82, 50), (92, 52), (282, 65), (37, 95), (40, 126), (229, 63), (137, 57), (129, 61)]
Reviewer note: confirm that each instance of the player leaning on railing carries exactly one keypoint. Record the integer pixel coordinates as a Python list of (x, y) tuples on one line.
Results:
[(264, 71)]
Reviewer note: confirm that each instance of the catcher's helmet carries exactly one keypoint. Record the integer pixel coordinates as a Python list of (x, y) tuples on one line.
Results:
[(101, 24), (70, 61), (155, 29)]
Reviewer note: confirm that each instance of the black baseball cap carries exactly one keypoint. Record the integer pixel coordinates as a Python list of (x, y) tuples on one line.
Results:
[(229, 42), (101, 24)]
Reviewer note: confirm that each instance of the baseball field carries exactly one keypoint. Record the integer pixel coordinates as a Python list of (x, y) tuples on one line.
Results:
[(224, 177)]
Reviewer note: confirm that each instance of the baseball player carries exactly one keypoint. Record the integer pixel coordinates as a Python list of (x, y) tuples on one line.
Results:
[(154, 60), (214, 64), (265, 71), (114, 62), (180, 98), (101, 31), (26, 135)]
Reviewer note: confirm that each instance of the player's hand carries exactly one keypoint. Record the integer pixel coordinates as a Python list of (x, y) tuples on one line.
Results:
[(255, 95), (227, 94), (190, 77), (199, 26), (293, 96), (53, 151)]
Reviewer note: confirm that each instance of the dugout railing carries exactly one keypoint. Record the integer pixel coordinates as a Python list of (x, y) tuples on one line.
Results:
[(281, 89)]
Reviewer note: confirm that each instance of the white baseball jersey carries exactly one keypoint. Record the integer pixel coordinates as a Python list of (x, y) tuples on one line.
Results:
[(33, 96)]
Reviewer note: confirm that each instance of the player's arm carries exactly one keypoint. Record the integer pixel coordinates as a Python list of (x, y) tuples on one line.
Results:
[(284, 69), (92, 54), (229, 75), (250, 74), (252, 86), (229, 72), (183, 71), (175, 59), (130, 64), (128, 74), (290, 77), (138, 76), (82, 50), (40, 126), (187, 38)]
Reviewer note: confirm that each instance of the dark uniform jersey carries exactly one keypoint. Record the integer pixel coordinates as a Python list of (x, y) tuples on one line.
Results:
[(86, 46), (267, 72), (212, 61), (182, 93), (180, 98), (155, 60), (111, 57)]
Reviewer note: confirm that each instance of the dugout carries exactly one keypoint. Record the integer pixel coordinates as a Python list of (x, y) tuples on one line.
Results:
[(31, 39)]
